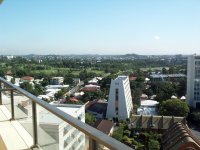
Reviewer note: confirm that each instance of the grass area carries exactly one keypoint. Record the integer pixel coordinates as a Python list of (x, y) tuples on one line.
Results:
[(65, 71), (153, 68)]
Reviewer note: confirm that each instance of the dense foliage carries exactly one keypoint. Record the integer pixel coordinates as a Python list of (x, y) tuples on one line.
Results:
[(89, 119), (174, 107), (137, 139)]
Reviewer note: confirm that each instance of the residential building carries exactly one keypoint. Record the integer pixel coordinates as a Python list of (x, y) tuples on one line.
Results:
[(90, 88), (27, 79), (151, 122), (8, 78), (97, 107), (193, 81), (67, 136), (105, 126), (120, 99), (95, 80), (148, 107), (167, 77), (56, 80)]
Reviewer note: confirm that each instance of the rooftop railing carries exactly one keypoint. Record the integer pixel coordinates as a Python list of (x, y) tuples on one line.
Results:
[(95, 137)]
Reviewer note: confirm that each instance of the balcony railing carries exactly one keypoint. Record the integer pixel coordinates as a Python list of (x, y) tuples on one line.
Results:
[(95, 137)]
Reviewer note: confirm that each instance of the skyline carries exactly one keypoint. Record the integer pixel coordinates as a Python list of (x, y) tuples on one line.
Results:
[(100, 27)]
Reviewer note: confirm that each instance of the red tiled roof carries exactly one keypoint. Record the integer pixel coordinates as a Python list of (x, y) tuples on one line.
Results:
[(28, 78), (132, 78), (73, 99)]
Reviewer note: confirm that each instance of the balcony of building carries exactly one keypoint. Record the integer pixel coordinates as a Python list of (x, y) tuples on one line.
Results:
[(22, 125)]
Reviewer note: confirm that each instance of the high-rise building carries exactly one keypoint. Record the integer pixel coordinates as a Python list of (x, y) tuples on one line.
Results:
[(193, 81), (120, 100)]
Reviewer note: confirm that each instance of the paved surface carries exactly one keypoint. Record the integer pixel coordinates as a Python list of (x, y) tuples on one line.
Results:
[(195, 130)]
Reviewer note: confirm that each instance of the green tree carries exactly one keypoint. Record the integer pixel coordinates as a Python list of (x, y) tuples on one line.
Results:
[(90, 119), (174, 107), (1, 72), (27, 86), (59, 95), (153, 144), (12, 80), (45, 81), (68, 80), (164, 71), (196, 117), (38, 89), (118, 134), (163, 90)]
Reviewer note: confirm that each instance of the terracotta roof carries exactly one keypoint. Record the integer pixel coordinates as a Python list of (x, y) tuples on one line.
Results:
[(179, 137), (73, 99), (90, 89), (28, 78), (104, 126), (132, 78)]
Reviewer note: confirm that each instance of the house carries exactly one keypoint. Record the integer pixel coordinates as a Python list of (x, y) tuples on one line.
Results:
[(97, 107), (90, 88), (27, 79), (105, 126)]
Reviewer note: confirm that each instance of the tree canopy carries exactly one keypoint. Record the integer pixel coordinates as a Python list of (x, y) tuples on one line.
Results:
[(90, 119), (174, 107)]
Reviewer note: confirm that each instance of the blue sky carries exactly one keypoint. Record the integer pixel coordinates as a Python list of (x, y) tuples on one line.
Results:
[(100, 26)]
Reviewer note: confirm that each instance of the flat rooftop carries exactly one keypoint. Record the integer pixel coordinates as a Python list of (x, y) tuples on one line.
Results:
[(121, 78), (149, 103), (47, 117)]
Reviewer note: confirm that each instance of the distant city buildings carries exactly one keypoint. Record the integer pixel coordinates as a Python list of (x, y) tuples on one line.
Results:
[(120, 100), (166, 77), (193, 81)]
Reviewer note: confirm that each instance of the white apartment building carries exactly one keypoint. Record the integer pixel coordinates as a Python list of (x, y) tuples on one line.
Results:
[(120, 99), (68, 137), (193, 81)]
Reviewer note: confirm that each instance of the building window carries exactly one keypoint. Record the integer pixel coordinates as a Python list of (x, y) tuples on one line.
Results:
[(116, 101)]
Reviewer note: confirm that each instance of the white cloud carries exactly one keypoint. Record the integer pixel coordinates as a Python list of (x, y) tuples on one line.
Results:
[(157, 37)]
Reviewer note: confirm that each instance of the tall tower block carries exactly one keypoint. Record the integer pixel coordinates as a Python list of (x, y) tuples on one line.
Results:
[(193, 81), (120, 100)]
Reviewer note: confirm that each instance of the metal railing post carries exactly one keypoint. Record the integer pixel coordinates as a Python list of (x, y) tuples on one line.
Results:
[(92, 144), (12, 105), (0, 95), (35, 131)]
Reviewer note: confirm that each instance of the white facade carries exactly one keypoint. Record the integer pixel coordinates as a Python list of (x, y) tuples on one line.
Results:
[(120, 99), (66, 135), (193, 80)]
